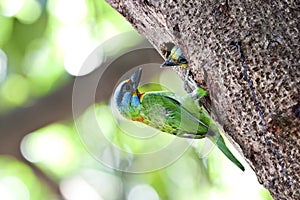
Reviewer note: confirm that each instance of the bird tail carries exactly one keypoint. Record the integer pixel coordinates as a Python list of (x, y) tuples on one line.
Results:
[(218, 139)]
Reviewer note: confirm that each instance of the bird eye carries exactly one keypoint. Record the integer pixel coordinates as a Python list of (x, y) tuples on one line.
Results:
[(127, 87), (182, 60), (166, 53)]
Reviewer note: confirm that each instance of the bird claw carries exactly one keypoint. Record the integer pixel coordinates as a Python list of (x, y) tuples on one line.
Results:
[(192, 88), (186, 83), (189, 84)]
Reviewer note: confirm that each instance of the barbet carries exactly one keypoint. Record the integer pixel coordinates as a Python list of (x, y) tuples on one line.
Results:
[(162, 110)]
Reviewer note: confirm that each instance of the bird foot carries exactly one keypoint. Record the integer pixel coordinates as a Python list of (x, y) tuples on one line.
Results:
[(192, 88)]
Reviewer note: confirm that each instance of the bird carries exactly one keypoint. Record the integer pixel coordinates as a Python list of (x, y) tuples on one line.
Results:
[(162, 110), (175, 58)]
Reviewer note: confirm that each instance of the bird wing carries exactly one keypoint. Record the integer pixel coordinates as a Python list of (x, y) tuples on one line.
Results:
[(168, 115)]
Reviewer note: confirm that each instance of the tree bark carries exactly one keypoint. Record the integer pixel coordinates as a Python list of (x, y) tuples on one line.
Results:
[(247, 54)]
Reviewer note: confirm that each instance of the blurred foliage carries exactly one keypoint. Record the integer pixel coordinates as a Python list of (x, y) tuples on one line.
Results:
[(42, 40), (17, 181)]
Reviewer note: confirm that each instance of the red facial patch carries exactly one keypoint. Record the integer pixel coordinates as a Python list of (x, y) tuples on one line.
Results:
[(141, 95), (141, 119)]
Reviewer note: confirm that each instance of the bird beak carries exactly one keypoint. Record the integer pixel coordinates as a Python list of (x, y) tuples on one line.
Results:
[(168, 63), (135, 78)]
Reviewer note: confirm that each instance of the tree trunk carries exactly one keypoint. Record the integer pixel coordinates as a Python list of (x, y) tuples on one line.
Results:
[(247, 54)]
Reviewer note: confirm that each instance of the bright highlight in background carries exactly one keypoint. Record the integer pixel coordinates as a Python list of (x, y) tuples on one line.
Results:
[(144, 192), (92, 184), (74, 38), (3, 65), (76, 188), (68, 12), (15, 89), (9, 8), (48, 145), (30, 12), (8, 187), (76, 44), (77, 40), (26, 11)]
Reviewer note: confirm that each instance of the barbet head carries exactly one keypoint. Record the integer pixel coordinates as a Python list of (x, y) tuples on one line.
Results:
[(175, 58), (126, 94)]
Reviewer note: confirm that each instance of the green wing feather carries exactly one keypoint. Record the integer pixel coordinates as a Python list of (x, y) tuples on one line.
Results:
[(167, 114)]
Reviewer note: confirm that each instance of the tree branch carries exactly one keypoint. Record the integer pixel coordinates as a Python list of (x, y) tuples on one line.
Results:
[(247, 53)]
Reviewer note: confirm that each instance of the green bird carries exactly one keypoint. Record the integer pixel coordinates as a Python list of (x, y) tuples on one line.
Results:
[(175, 58), (162, 110)]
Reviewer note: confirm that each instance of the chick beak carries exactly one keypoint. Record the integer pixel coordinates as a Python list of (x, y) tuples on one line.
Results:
[(168, 63), (135, 78)]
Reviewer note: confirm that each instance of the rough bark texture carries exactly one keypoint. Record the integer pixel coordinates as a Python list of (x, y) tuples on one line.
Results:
[(247, 53)]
